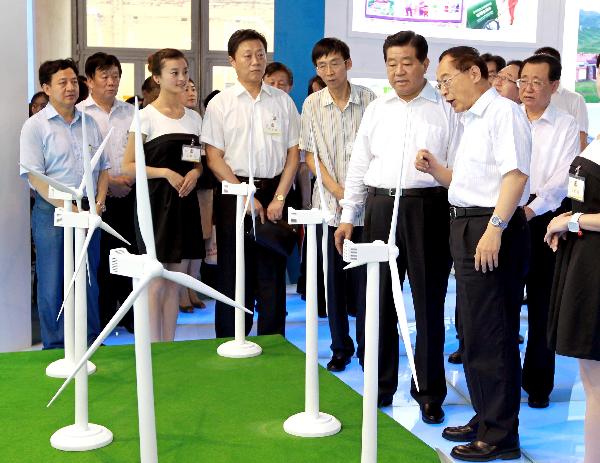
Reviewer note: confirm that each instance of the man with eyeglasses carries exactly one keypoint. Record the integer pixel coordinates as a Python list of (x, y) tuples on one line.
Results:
[(103, 73), (505, 82), (555, 143), (490, 245), (394, 127), (330, 120)]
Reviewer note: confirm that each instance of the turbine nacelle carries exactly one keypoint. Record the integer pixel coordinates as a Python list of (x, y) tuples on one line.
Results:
[(357, 254), (238, 189), (123, 263), (304, 216)]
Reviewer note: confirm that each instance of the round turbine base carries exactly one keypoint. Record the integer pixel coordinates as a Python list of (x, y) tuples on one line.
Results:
[(62, 368), (236, 349), (306, 425), (75, 439)]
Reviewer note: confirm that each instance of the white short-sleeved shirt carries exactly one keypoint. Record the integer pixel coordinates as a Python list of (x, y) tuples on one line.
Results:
[(592, 152), (555, 143), (496, 139), (153, 123), (391, 133), (574, 104), (238, 125), (119, 119)]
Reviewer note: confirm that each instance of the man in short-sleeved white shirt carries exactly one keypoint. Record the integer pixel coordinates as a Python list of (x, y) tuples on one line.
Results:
[(103, 77), (489, 240), (555, 143), (251, 126)]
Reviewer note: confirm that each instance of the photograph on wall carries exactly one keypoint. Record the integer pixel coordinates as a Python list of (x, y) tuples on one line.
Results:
[(588, 47), (488, 20)]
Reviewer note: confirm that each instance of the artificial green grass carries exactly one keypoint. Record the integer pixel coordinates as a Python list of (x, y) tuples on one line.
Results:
[(208, 408)]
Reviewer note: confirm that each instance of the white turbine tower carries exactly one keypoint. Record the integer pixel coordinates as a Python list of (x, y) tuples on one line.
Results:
[(240, 347), (142, 269), (372, 254), (56, 190), (311, 422)]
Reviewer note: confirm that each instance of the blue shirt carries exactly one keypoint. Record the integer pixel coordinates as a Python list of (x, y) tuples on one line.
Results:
[(52, 146)]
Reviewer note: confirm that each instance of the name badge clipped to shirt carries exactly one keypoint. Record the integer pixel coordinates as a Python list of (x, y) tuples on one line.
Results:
[(273, 126), (191, 153), (576, 186)]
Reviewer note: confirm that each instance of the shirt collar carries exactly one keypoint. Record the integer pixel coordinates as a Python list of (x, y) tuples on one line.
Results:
[(428, 92), (239, 89), (326, 98), (549, 114), (89, 101), (483, 102), (50, 112)]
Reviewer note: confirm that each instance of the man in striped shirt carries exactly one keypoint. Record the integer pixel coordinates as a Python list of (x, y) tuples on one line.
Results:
[(330, 120)]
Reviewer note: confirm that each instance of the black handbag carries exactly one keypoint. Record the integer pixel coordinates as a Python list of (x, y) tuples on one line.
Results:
[(279, 236)]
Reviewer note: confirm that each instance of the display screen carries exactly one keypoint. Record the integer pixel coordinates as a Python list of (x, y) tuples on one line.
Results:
[(487, 20)]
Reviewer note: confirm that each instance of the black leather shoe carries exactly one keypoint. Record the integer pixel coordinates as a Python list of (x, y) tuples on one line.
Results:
[(338, 363), (460, 433), (385, 400), (480, 451), (432, 413), (455, 358), (538, 402)]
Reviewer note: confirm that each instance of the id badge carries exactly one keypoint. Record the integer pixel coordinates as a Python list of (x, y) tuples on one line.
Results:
[(576, 187), (273, 126), (191, 153)]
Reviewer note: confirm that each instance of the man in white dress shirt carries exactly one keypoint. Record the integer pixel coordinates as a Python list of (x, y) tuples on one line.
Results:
[(489, 240), (251, 119), (570, 102), (103, 77), (394, 127), (555, 143)]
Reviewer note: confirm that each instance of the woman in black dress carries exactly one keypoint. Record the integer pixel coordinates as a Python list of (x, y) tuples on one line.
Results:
[(168, 130), (574, 321)]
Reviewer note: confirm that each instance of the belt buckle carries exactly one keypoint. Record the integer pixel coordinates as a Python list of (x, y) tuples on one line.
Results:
[(452, 212), (391, 192)]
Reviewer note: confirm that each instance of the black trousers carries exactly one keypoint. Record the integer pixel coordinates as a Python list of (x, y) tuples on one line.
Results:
[(265, 271), (421, 236), (344, 288), (489, 305), (538, 366), (114, 289)]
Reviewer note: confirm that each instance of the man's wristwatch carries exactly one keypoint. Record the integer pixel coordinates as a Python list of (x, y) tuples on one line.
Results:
[(280, 197), (573, 223), (496, 221), (101, 205)]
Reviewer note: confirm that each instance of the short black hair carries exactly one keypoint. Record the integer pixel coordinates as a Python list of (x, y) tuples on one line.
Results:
[(84, 90), (100, 62), (311, 81), (276, 66), (516, 62), (554, 66), (498, 60), (548, 51), (49, 68), (35, 97), (328, 46), (209, 97), (402, 38), (465, 57), (149, 84), (242, 35)]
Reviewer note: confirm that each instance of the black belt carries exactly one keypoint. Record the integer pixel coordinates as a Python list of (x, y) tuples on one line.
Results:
[(408, 192), (456, 212), (261, 182)]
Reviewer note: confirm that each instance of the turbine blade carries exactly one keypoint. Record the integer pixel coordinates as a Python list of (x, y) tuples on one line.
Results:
[(82, 258), (100, 149), (190, 282), (324, 240), (87, 167), (108, 229), (112, 324), (144, 212), (50, 181), (402, 319)]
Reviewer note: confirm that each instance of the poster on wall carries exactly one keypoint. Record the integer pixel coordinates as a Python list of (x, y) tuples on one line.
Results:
[(486, 20), (588, 47)]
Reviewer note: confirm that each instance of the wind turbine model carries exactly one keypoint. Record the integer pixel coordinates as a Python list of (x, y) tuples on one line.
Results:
[(372, 254), (56, 190), (311, 422), (240, 347), (142, 269)]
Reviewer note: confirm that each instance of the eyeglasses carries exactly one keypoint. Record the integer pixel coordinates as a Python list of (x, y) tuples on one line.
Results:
[(333, 65), (535, 83), (503, 79), (446, 82)]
